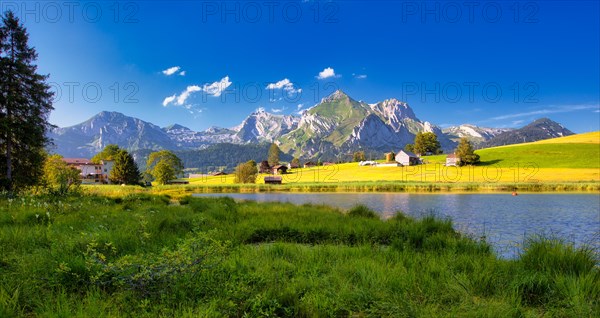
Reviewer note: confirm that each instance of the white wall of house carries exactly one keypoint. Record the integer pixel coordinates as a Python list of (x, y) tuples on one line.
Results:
[(107, 166), (403, 158)]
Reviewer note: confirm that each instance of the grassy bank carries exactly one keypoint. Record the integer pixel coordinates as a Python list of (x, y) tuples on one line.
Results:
[(178, 191), (140, 255)]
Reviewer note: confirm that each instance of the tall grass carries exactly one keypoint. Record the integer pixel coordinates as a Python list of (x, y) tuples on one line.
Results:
[(144, 255)]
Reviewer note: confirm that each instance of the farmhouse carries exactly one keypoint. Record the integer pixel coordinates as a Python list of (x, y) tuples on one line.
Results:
[(407, 158), (279, 169), (91, 173), (273, 180), (452, 160), (309, 164), (293, 165)]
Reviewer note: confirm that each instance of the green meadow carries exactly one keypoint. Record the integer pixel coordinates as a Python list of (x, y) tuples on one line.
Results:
[(149, 256)]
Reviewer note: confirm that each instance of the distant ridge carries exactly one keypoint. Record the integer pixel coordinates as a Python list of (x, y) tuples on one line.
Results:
[(543, 128), (330, 130)]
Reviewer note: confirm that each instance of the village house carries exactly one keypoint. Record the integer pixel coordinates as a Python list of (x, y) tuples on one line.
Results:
[(407, 158), (279, 169), (91, 173), (309, 164), (293, 165), (452, 160)]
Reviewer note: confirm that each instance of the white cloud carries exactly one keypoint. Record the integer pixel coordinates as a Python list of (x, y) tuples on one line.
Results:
[(216, 88), (360, 76), (300, 106), (278, 110), (549, 110), (597, 111), (182, 73), (284, 82), (186, 94), (169, 100), (171, 70), (517, 122), (327, 73), (286, 85)]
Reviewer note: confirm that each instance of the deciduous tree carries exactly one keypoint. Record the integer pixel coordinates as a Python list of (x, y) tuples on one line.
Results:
[(158, 162), (108, 153), (427, 143), (246, 172), (59, 177), (358, 156)]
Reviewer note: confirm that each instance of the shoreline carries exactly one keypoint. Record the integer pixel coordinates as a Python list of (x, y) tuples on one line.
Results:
[(358, 187)]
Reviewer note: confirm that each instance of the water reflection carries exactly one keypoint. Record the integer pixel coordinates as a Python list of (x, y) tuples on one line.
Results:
[(503, 219)]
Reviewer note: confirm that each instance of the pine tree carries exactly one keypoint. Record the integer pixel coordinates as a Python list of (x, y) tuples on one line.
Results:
[(125, 169), (465, 153), (25, 104), (273, 155)]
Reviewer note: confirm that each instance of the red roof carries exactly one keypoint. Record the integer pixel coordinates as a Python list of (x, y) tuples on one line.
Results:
[(452, 156), (77, 161)]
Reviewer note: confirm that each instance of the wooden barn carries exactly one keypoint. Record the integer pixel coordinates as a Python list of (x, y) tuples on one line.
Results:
[(407, 158)]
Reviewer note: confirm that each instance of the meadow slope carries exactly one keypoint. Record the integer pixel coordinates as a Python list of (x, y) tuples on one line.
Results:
[(567, 159)]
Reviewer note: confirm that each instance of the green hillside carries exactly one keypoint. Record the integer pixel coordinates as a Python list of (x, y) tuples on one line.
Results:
[(577, 151)]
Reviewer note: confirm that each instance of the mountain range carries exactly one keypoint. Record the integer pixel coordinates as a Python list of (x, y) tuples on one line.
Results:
[(331, 130)]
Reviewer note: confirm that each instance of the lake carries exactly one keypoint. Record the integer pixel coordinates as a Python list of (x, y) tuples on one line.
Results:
[(504, 220)]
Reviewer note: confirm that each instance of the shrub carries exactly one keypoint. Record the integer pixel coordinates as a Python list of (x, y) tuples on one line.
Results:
[(362, 211), (554, 256)]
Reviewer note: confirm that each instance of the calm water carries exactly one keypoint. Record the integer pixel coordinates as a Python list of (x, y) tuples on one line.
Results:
[(504, 219)]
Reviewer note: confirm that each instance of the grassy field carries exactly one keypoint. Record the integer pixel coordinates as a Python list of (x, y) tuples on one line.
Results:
[(140, 255), (568, 159)]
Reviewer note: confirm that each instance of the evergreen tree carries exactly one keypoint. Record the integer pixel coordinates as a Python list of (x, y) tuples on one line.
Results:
[(125, 169), (25, 103), (264, 167), (273, 155), (464, 151)]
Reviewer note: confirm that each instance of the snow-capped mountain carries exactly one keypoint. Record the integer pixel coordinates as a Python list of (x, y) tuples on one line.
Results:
[(474, 133), (341, 124), (91, 136), (262, 126), (331, 129), (186, 138)]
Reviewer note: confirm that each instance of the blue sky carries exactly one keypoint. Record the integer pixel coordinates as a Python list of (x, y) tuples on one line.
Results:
[(211, 63)]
